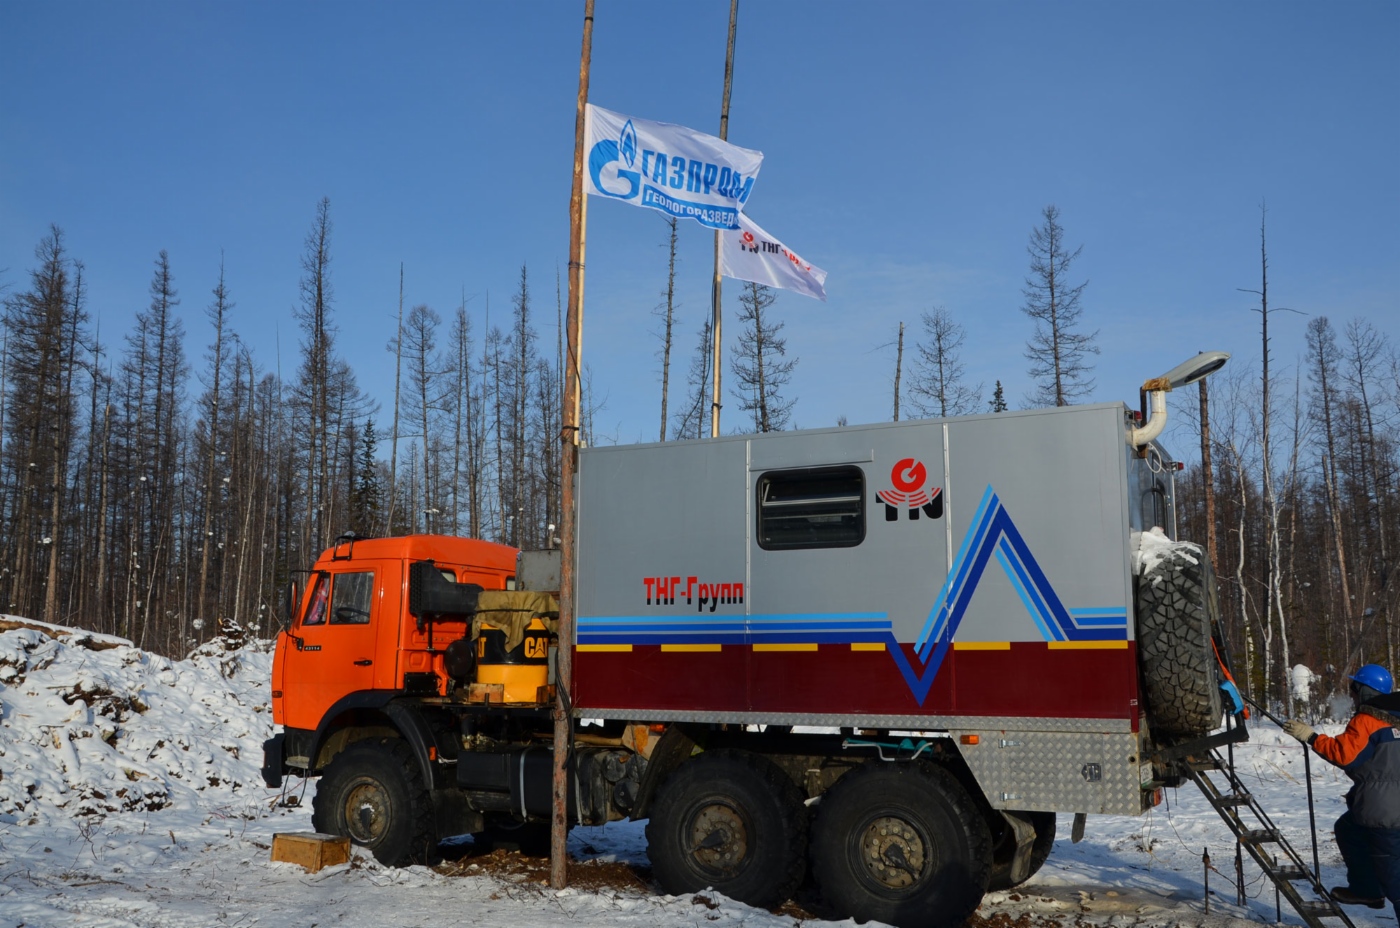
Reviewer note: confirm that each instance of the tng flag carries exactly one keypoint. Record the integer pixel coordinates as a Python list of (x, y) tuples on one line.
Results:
[(749, 253)]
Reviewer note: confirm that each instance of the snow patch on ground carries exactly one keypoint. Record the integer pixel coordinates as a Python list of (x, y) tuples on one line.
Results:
[(130, 798)]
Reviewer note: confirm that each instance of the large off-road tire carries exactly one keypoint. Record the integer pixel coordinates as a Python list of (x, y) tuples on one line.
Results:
[(902, 843), (373, 793), (1176, 608), (1005, 847), (732, 821)]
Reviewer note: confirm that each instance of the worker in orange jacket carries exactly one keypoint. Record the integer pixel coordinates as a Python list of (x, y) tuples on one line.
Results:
[(1368, 833)]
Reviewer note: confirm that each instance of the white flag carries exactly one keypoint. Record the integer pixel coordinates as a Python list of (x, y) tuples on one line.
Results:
[(749, 253), (679, 171)]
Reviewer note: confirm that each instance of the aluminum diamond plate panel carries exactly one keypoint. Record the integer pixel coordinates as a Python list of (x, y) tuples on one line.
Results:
[(1093, 772)]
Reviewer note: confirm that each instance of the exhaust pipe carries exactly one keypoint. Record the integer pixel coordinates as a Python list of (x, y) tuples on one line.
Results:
[(1184, 374)]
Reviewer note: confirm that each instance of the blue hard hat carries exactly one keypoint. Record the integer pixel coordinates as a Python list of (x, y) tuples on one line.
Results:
[(1376, 677)]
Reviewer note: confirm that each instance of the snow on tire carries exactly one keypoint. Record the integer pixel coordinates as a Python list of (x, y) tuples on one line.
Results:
[(1176, 605)]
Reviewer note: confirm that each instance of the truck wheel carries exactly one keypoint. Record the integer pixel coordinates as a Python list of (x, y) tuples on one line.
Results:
[(733, 821), (373, 794), (902, 843), (1176, 607), (1044, 825)]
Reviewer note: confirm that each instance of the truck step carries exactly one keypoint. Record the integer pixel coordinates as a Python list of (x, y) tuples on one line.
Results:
[(1202, 766), (1259, 836)]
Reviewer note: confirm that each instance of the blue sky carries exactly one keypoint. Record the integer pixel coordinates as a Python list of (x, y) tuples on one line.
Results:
[(909, 150)]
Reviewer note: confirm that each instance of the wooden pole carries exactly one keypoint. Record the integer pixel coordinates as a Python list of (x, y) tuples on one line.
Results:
[(1207, 472), (715, 285), (569, 444)]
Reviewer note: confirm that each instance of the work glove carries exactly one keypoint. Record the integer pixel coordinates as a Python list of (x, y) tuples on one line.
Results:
[(1296, 729)]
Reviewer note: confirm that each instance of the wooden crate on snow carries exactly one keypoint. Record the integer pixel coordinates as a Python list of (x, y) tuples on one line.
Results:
[(310, 849)]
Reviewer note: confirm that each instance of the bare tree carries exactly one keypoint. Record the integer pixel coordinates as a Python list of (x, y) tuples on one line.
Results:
[(425, 406), (397, 347), (43, 326), (667, 311), (937, 387), (466, 462), (518, 375), (692, 421), (1365, 354), (1057, 351), (761, 366), (1322, 369), (898, 369), (1274, 609), (209, 434), (313, 387)]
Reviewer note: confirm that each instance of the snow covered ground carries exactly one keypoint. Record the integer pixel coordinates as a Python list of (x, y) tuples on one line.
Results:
[(130, 796)]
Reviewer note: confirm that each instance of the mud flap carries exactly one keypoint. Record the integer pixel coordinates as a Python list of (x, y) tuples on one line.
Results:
[(1024, 833), (272, 760), (1076, 833)]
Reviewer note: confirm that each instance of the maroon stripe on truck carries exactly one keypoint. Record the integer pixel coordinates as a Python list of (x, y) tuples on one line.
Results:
[(1029, 679)]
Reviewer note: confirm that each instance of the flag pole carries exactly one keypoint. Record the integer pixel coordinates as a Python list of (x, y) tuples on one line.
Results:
[(715, 285), (569, 445)]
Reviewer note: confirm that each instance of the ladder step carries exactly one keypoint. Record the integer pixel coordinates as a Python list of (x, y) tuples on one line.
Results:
[(1200, 766), (1259, 836), (1318, 910), (1242, 799), (1291, 873)]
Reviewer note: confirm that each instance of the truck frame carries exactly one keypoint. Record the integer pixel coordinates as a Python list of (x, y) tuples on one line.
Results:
[(884, 657)]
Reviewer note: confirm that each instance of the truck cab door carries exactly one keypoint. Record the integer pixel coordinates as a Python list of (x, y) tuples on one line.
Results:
[(333, 645)]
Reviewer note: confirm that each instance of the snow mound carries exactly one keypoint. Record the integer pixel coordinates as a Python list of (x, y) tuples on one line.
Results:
[(90, 725)]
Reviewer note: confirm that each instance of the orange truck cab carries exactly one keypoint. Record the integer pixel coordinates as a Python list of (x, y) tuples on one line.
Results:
[(352, 638), (413, 680)]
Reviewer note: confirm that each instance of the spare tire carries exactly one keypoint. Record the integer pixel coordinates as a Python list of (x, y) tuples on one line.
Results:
[(1176, 610)]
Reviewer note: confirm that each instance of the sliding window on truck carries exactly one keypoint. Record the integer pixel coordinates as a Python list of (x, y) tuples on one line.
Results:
[(811, 508)]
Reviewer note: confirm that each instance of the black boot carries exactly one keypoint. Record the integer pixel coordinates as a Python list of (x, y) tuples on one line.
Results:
[(1346, 896)]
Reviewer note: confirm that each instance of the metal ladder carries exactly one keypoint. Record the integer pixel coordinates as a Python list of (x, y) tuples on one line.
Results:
[(1256, 833)]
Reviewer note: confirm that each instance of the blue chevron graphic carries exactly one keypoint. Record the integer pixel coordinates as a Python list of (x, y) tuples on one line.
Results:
[(994, 535)]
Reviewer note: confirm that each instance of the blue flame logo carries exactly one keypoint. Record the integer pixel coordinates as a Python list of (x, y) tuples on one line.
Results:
[(627, 144)]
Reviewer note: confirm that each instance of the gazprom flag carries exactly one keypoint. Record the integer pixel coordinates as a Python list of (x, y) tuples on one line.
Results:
[(679, 171), (749, 253)]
